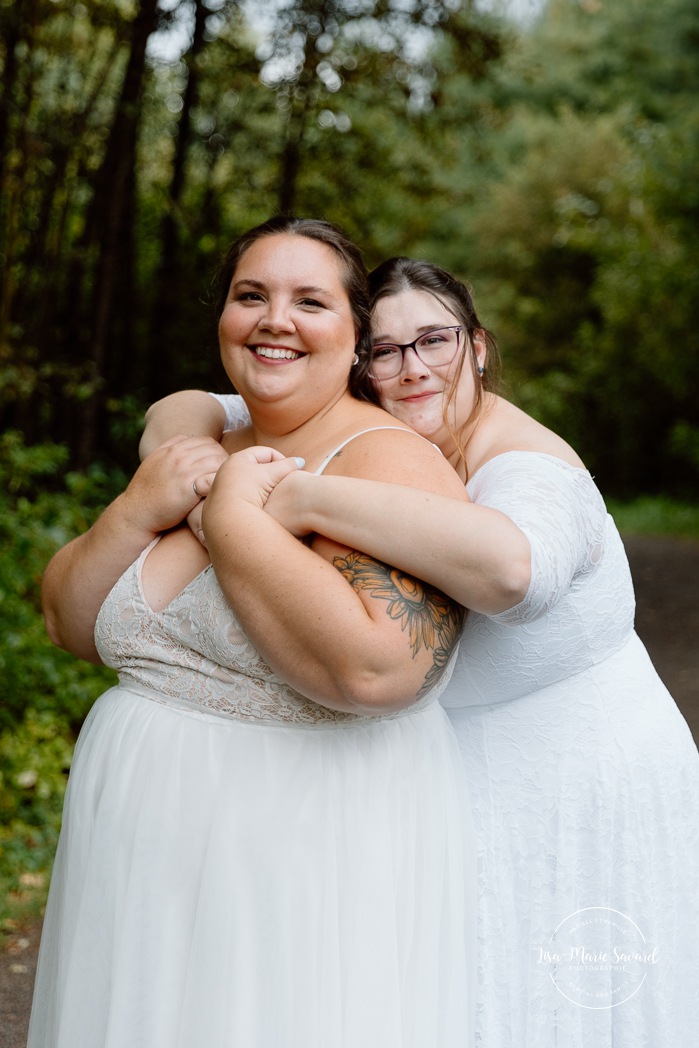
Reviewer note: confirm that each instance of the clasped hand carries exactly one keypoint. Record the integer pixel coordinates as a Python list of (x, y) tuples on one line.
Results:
[(250, 475), (162, 491)]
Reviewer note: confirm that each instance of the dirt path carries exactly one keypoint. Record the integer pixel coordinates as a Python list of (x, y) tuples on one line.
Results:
[(666, 577)]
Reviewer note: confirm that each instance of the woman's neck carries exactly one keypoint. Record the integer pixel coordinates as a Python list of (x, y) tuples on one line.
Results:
[(467, 453), (311, 437)]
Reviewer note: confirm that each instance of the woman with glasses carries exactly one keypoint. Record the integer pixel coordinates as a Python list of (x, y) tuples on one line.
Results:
[(583, 775)]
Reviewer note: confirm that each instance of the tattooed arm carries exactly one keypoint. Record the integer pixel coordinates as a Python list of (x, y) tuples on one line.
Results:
[(429, 620), (342, 628)]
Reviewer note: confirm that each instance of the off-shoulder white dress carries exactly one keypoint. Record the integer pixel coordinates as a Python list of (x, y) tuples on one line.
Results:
[(584, 781), (241, 868)]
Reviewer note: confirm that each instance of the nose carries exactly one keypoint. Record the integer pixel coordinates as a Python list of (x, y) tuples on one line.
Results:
[(413, 368), (276, 316)]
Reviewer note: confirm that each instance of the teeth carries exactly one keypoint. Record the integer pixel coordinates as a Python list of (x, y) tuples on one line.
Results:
[(277, 354)]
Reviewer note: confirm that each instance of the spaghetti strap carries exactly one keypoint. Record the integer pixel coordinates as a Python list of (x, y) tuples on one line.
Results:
[(361, 433)]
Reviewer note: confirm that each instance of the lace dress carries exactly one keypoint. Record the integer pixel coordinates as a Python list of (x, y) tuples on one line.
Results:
[(241, 868), (584, 782)]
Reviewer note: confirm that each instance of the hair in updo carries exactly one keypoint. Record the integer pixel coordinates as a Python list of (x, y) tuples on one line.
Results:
[(354, 280), (399, 274)]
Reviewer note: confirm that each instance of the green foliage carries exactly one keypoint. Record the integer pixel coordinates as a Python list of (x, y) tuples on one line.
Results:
[(551, 163), (46, 692), (582, 241), (655, 516), (34, 762), (106, 275)]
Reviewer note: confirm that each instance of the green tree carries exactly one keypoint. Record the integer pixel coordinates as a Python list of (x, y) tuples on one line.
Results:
[(582, 241), (151, 161)]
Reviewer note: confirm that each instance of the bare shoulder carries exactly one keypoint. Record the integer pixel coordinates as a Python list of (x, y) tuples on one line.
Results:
[(397, 455), (237, 439), (508, 428)]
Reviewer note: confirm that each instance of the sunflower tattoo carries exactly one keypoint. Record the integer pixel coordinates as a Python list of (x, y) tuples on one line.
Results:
[(431, 619)]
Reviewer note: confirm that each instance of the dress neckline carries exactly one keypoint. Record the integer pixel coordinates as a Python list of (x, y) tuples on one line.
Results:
[(535, 454)]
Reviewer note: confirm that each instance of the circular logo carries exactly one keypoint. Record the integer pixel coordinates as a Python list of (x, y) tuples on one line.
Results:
[(598, 957)]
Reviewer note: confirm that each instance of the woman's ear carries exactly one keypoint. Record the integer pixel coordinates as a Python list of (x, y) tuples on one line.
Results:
[(480, 348)]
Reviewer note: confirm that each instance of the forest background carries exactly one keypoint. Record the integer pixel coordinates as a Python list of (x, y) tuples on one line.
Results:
[(545, 151)]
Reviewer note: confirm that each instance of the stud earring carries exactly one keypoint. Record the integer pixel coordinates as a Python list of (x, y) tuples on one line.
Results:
[(481, 371)]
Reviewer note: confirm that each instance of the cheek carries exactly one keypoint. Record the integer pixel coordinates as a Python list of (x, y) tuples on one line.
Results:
[(234, 324), (225, 325), (384, 391)]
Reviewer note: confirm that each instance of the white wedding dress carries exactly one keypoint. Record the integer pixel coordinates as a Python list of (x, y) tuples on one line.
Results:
[(584, 781), (241, 868)]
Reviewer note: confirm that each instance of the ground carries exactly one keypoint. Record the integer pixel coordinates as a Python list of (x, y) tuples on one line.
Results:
[(666, 578)]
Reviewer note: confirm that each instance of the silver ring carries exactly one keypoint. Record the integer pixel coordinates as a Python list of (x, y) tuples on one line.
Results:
[(194, 489)]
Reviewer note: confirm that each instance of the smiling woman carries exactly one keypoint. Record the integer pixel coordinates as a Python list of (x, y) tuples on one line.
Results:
[(279, 334), (266, 838)]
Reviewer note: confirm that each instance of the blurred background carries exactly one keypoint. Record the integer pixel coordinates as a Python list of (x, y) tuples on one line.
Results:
[(544, 151)]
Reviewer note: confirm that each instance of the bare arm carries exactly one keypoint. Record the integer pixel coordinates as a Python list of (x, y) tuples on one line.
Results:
[(191, 411), (344, 629), (475, 554), (80, 575)]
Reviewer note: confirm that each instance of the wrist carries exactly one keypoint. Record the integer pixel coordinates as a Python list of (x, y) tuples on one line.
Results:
[(303, 507), (132, 514)]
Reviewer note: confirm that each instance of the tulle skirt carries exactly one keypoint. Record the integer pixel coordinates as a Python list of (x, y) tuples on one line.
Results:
[(230, 884)]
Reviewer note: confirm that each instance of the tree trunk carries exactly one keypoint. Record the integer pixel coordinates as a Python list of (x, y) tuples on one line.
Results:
[(112, 213), (161, 369), (22, 19)]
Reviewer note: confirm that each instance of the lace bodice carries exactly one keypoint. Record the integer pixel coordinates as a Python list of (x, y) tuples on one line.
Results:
[(194, 653), (580, 605)]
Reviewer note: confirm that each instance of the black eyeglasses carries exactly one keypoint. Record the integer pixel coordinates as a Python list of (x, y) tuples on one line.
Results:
[(433, 348)]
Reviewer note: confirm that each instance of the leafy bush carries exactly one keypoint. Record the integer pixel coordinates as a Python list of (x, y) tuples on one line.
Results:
[(46, 693), (655, 516)]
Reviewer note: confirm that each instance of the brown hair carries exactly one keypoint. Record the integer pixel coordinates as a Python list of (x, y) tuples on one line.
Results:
[(354, 282), (408, 274)]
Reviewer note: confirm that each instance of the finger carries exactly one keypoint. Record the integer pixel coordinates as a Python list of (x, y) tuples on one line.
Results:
[(262, 454), (282, 468), (194, 522), (174, 440), (202, 484)]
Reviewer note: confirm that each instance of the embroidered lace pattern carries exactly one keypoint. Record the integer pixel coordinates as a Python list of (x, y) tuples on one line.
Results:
[(582, 772), (237, 414), (580, 605), (196, 653)]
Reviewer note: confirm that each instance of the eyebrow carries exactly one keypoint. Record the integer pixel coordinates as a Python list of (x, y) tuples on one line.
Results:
[(304, 289), (420, 331)]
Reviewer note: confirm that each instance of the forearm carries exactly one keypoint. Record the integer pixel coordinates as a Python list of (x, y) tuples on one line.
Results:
[(191, 412), (80, 576), (476, 555), (310, 625)]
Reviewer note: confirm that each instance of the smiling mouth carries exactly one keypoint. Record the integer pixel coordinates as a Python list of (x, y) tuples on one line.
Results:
[(421, 396), (275, 353)]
